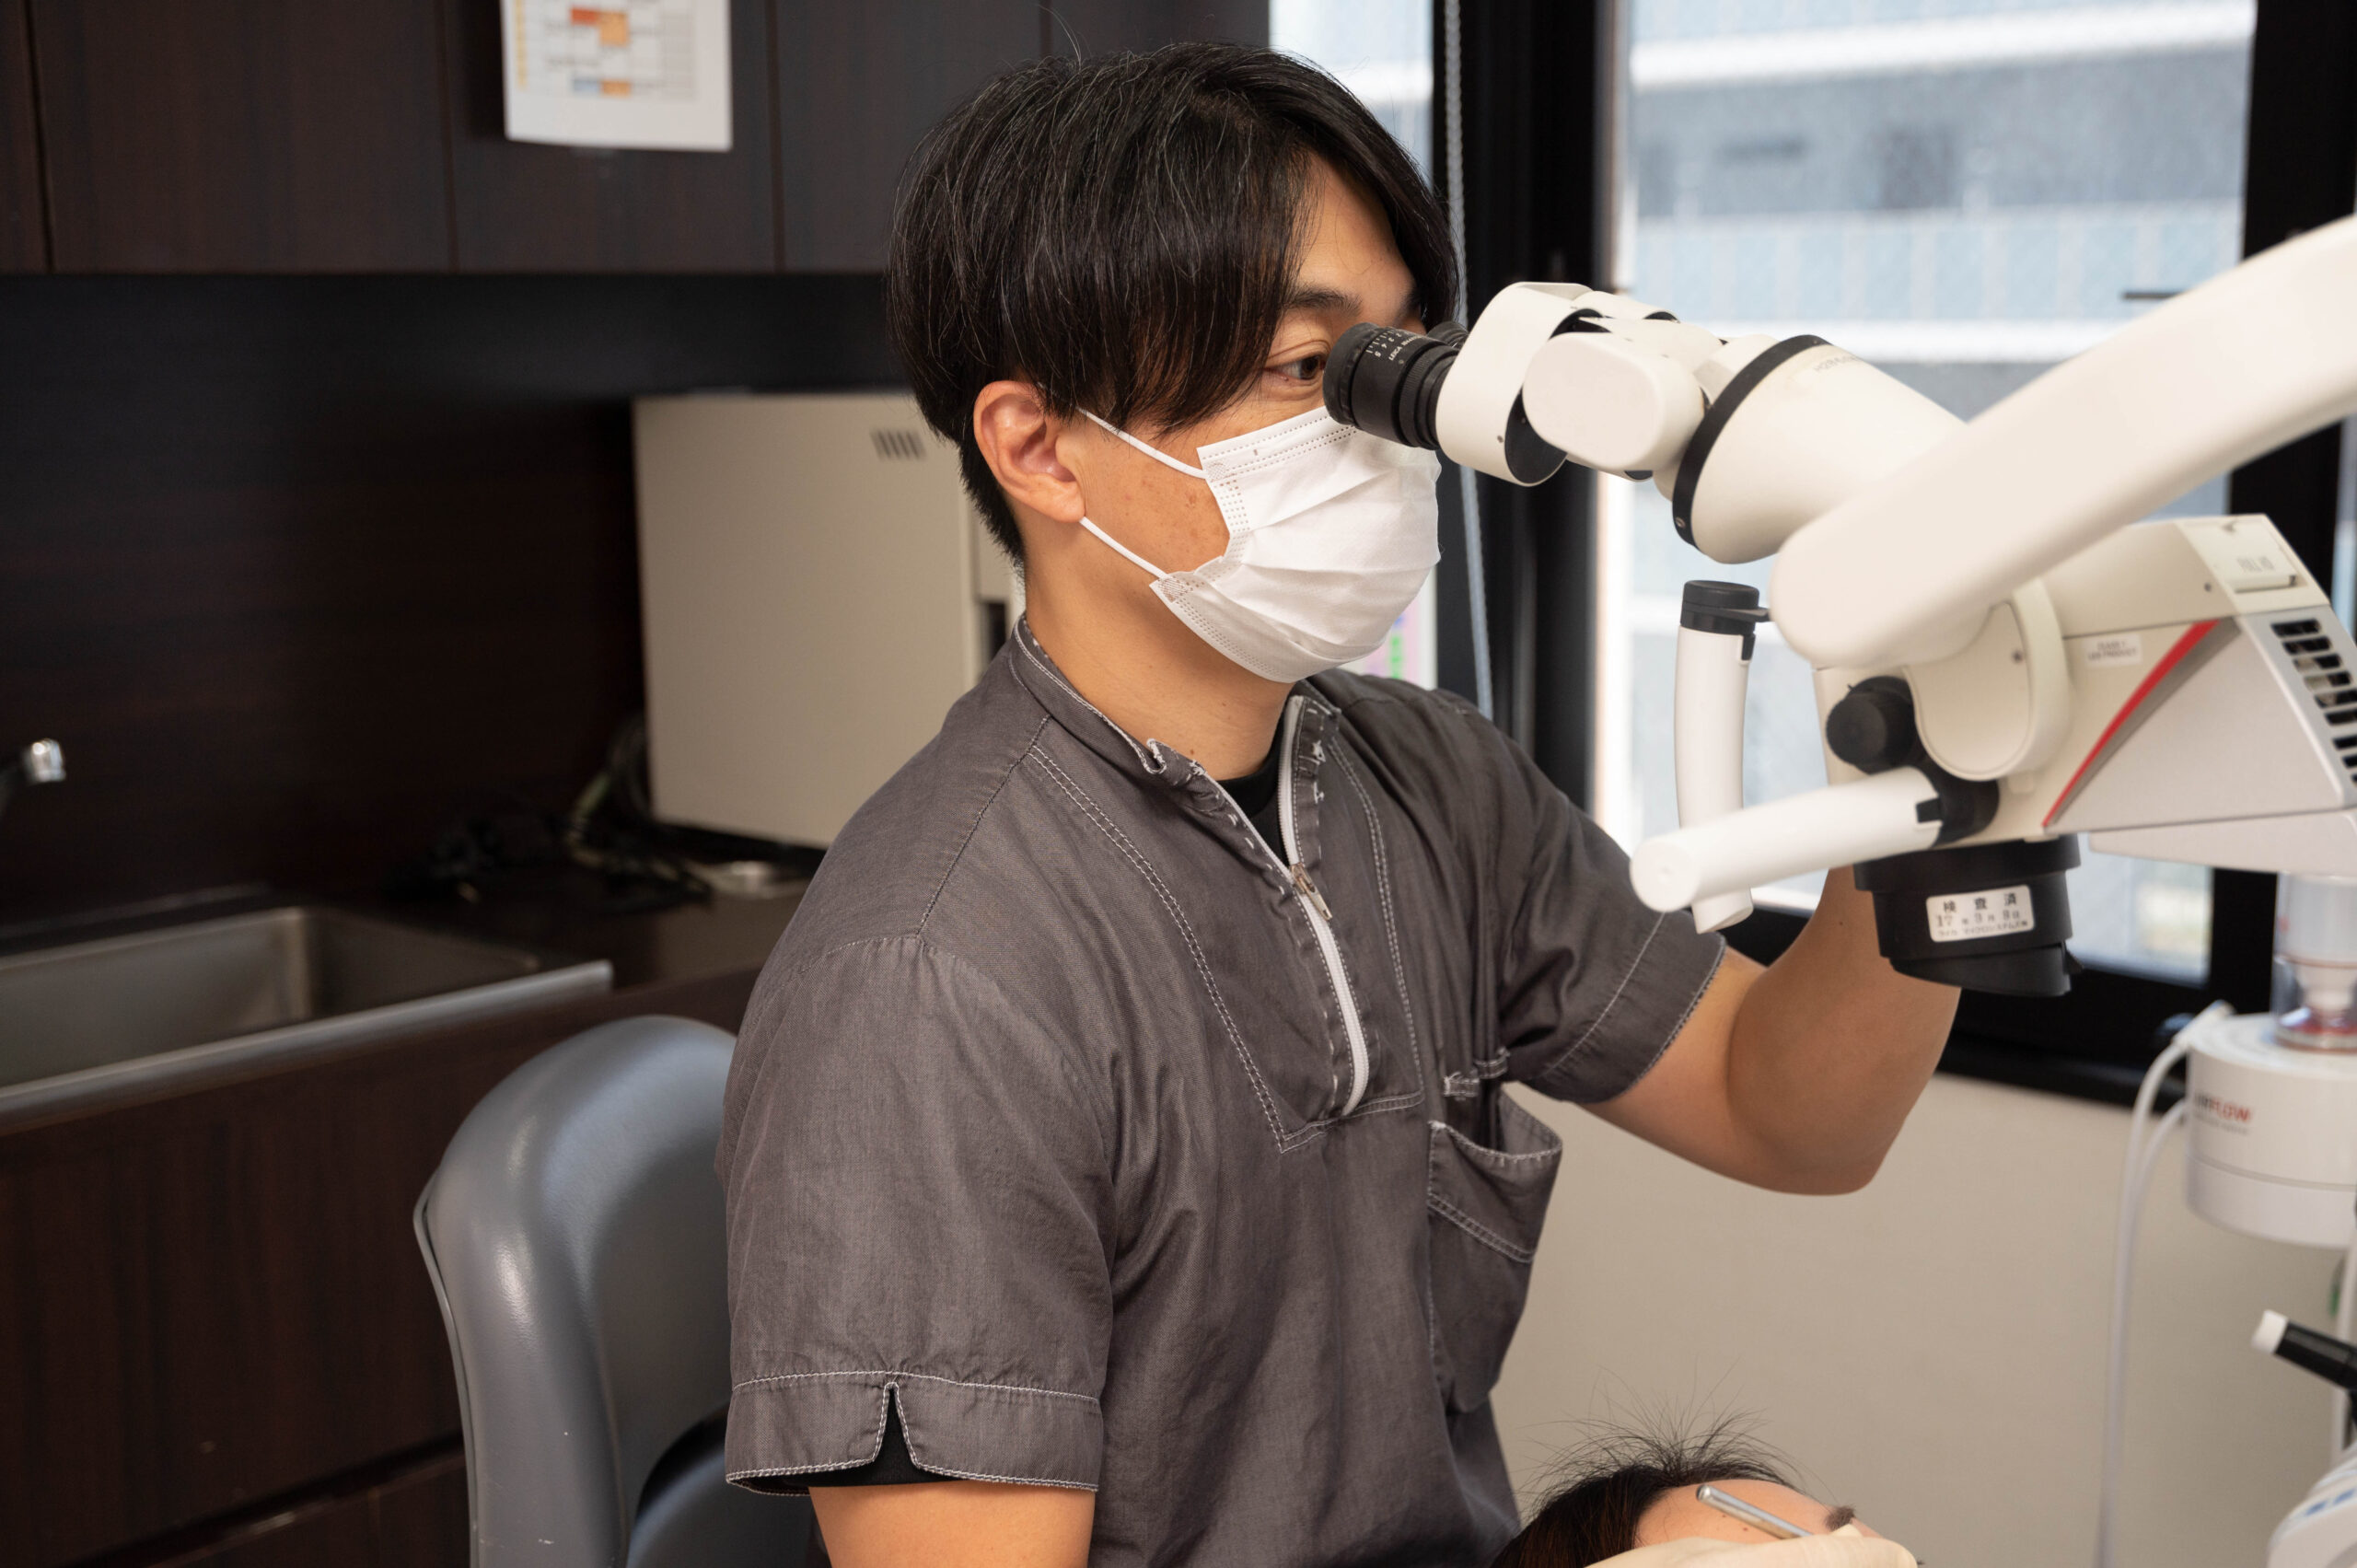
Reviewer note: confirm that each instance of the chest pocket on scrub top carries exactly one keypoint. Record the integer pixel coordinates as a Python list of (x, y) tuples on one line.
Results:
[(1484, 1209)]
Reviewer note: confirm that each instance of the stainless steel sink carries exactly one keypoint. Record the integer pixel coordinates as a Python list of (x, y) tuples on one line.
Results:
[(91, 1017)]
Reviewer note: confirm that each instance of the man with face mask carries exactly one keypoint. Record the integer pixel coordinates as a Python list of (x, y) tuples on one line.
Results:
[(1117, 1161)]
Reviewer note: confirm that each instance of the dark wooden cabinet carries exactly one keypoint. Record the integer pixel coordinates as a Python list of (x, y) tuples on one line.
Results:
[(242, 136), (524, 207), (368, 135), (24, 233), (419, 1519), (1107, 26), (415, 1517), (214, 1299), (857, 86)]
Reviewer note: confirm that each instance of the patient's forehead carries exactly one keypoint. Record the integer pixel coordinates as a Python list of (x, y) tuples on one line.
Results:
[(1679, 1514)]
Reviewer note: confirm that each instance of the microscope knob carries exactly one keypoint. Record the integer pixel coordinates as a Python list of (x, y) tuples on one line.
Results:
[(1873, 726)]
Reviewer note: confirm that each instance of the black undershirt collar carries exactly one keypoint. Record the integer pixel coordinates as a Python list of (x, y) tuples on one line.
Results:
[(1256, 796)]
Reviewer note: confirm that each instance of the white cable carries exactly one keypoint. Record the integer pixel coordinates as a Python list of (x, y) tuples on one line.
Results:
[(2344, 1324), (2135, 1175), (2115, 1378), (1477, 588)]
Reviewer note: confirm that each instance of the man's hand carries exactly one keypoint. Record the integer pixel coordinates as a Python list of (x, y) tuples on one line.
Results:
[(1796, 1077), (955, 1524)]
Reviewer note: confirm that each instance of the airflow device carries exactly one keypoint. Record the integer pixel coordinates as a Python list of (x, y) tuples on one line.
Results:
[(898, 446)]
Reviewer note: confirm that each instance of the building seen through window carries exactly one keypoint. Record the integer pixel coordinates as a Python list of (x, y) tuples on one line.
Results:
[(1381, 49)]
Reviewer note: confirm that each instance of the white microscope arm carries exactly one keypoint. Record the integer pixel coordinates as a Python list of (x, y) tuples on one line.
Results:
[(1897, 529), (2251, 359)]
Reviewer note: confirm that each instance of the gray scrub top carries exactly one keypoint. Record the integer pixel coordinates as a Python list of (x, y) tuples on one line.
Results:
[(1037, 1126)]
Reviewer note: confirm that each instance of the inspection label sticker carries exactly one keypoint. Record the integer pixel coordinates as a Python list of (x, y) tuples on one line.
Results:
[(1991, 912), (2114, 648)]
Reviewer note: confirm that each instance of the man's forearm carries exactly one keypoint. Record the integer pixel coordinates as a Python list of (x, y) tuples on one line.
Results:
[(1832, 1046), (955, 1524)]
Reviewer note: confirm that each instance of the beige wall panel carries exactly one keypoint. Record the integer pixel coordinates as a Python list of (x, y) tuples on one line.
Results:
[(1931, 1349)]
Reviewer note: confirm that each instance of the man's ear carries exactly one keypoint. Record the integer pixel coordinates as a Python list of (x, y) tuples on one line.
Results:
[(1018, 438)]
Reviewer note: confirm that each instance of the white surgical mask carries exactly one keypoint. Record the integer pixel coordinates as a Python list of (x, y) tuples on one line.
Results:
[(1330, 533)]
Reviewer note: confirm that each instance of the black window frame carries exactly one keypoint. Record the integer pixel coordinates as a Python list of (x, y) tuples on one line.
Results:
[(1539, 158)]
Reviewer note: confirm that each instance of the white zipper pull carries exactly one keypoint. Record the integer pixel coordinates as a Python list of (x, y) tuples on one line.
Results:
[(1308, 889)]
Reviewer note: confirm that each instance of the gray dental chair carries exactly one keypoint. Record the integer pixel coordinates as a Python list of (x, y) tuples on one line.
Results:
[(574, 1235)]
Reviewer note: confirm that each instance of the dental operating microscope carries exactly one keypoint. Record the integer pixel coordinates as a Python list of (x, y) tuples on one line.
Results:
[(2006, 657)]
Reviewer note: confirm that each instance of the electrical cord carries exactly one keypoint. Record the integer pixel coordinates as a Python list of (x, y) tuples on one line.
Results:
[(512, 846), (2135, 1176), (2344, 1326), (2116, 1379), (609, 827)]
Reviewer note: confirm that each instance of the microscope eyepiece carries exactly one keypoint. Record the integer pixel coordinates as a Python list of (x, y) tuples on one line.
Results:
[(1386, 381)]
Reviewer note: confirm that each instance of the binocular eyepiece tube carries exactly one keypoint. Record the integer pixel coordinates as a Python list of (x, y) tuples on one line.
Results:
[(1386, 381)]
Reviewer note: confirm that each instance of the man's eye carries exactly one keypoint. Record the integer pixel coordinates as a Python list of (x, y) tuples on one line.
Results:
[(1309, 367)]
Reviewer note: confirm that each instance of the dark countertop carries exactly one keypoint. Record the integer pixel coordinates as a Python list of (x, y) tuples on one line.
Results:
[(689, 942), (566, 920)]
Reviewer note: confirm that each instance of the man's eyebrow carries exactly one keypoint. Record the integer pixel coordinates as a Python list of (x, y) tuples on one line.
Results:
[(1317, 297), (1840, 1516), (1313, 297)]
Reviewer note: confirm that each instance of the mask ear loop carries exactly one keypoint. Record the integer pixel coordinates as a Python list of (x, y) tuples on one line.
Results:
[(1156, 573), (1158, 456)]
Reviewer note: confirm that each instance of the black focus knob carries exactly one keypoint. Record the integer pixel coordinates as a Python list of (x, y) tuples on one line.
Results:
[(1873, 726), (1728, 608)]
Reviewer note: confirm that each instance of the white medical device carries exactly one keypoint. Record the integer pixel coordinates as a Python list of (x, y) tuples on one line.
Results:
[(816, 589), (2003, 663), (2270, 1113), (2321, 1529)]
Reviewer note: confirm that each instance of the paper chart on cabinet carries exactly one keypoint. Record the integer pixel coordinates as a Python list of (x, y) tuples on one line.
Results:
[(617, 73)]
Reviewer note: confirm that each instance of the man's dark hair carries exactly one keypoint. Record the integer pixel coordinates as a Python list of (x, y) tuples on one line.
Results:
[(1121, 234), (1612, 1480)]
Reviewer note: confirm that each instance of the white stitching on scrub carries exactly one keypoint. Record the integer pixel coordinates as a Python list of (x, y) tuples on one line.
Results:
[(959, 858), (883, 1418), (1490, 1154), (1477, 1230), (887, 1373), (961, 1475), (1589, 1033), (1053, 674), (1286, 1142), (1383, 891), (909, 1431), (1015, 1480)]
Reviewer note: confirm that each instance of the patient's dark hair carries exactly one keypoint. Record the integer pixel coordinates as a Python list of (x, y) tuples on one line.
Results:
[(1612, 1480), (1121, 234)]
